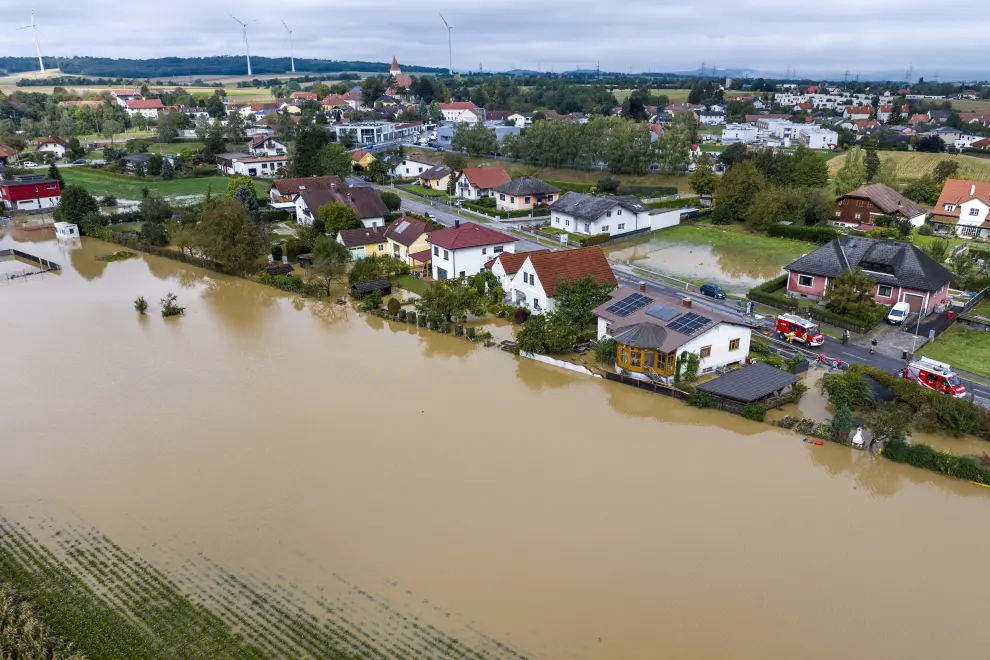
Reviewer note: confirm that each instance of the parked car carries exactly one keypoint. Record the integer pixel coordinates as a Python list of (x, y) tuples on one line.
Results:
[(898, 313), (30, 164), (713, 291), (79, 161)]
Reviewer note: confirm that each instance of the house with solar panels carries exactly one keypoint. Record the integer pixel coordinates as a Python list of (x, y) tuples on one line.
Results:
[(652, 331)]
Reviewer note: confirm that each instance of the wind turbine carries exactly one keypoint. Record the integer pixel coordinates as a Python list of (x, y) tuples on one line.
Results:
[(34, 29), (292, 57), (247, 49), (450, 50)]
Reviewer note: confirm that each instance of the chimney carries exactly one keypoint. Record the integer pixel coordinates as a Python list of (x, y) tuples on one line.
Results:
[(349, 197), (333, 186), (686, 302), (972, 189), (642, 287), (457, 224)]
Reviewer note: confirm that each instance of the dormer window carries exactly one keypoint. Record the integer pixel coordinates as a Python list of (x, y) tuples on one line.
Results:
[(974, 211), (950, 207)]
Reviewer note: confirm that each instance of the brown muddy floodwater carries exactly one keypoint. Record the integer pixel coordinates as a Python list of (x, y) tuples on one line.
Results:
[(523, 510)]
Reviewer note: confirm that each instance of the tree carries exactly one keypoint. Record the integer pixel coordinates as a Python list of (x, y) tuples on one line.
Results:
[(841, 424), (546, 333), (240, 181), (215, 108), (733, 154), (896, 116), (245, 196), (924, 191), (938, 250), (76, 150), (112, 127), (168, 172), (818, 206), (214, 139), (704, 179), (946, 169), (337, 216), (375, 267), (371, 89), (851, 294), (574, 300), (306, 153), (391, 200), (847, 389), (448, 299), (675, 144), (737, 189), (76, 203), (322, 90), (335, 161), (154, 233), (155, 164), (852, 174), (235, 128), (476, 139), (228, 234), (872, 164), (932, 144), (155, 209), (888, 422), (55, 175), (330, 260), (455, 161), (810, 168), (773, 204), (887, 174), (168, 126)]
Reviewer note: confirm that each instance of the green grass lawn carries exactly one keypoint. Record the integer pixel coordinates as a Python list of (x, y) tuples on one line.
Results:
[(735, 236), (411, 283), (129, 187), (964, 349), (429, 192), (925, 241)]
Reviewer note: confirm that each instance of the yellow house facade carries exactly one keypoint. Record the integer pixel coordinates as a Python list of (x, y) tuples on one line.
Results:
[(364, 242), (406, 236), (363, 158), (435, 178)]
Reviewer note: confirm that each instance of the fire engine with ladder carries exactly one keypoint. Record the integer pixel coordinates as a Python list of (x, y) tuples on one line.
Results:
[(934, 375)]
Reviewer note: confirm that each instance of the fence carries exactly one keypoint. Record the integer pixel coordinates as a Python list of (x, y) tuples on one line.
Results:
[(656, 388), (41, 263)]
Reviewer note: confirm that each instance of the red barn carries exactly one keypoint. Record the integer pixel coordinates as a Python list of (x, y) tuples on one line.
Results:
[(30, 193)]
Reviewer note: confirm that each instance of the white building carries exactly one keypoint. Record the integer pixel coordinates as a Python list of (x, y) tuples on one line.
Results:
[(55, 146), (478, 182), (266, 145), (66, 230), (465, 248), (365, 132), (744, 133), (148, 109), (462, 111), (966, 141), (243, 164), (405, 168), (582, 214), (534, 283), (711, 118), (522, 119)]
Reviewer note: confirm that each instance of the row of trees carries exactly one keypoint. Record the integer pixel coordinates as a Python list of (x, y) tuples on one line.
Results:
[(558, 331)]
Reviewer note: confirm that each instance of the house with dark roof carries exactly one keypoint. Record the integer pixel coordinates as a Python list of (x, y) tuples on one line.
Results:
[(963, 209), (406, 236), (465, 248), (282, 194), (363, 242), (652, 330), (615, 215), (861, 207), (902, 271), (478, 182), (365, 202), (535, 283), (435, 178), (753, 384), (525, 193)]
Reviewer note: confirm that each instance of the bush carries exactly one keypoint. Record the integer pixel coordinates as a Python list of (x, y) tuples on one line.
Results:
[(371, 302), (292, 283), (520, 315), (293, 248), (394, 306), (871, 316), (699, 399), (595, 239), (755, 412), (391, 200), (848, 389), (411, 317), (926, 230), (721, 215), (952, 465), (770, 293), (140, 305), (277, 252), (798, 391), (605, 351), (819, 235), (107, 201), (401, 314)]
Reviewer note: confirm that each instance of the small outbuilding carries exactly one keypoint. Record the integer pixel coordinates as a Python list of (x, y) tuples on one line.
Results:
[(382, 286), (279, 269), (755, 383), (66, 230)]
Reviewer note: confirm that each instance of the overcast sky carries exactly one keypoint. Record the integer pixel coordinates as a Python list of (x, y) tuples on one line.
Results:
[(647, 35)]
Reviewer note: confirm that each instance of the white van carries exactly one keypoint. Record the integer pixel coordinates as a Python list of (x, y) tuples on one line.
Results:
[(898, 313)]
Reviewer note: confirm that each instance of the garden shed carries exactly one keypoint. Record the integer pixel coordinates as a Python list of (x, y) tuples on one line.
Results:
[(382, 286), (757, 383)]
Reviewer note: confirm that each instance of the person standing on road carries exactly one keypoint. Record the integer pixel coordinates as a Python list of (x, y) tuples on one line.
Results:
[(873, 346), (845, 337)]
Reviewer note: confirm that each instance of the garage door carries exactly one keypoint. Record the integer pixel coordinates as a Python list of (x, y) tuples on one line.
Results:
[(914, 301)]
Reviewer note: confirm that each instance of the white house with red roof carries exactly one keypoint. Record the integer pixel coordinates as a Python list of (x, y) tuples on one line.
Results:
[(963, 208), (462, 111), (478, 182), (55, 146), (465, 248), (534, 284), (855, 112), (148, 108)]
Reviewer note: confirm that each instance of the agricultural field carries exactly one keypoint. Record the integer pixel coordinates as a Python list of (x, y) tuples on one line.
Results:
[(967, 105), (126, 187), (913, 165), (675, 95)]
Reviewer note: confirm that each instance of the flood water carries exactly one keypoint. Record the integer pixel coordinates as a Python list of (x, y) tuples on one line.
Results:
[(522, 509), (736, 267)]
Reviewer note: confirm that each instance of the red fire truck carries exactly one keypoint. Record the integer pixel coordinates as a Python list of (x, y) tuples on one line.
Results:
[(804, 331), (935, 375)]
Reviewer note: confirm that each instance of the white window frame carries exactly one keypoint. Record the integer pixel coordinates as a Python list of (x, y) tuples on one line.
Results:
[(974, 211), (810, 283), (881, 287)]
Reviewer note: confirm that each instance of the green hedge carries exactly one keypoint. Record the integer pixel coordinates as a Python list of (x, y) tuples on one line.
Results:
[(929, 458), (571, 186), (647, 191), (755, 412), (838, 320), (595, 239), (768, 293), (678, 203), (819, 235), (496, 213)]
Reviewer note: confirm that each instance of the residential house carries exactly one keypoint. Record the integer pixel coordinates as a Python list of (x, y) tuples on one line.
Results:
[(744, 133), (405, 237), (522, 119), (939, 116), (501, 116), (615, 215), (266, 145), (366, 202), (302, 97), (982, 143), (652, 330), (867, 125), (752, 119), (966, 141), (903, 272), (711, 118), (462, 111), (135, 162), (524, 193), (55, 146), (408, 129), (364, 241), (122, 96), (948, 134), (283, 193), (918, 119), (962, 209), (855, 112), (506, 265), (535, 283), (8, 156), (243, 164), (405, 168), (974, 118), (884, 112), (861, 207), (362, 158), (30, 193), (435, 178), (340, 101), (465, 248), (479, 182), (147, 108)]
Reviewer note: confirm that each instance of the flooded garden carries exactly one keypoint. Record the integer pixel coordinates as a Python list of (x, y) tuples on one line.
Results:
[(271, 476)]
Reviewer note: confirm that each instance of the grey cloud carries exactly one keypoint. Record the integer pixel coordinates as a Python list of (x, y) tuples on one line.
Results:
[(658, 35)]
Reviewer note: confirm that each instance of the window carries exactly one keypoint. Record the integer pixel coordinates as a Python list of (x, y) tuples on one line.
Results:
[(381, 247), (604, 228), (859, 202), (838, 214), (498, 249), (484, 250), (734, 345), (536, 303), (526, 200), (622, 226), (587, 227), (446, 256), (619, 212), (501, 197), (869, 204), (649, 359), (436, 251), (885, 291), (623, 355), (512, 199), (858, 216), (706, 351), (608, 214), (549, 198), (567, 223), (806, 280), (969, 231), (950, 207), (974, 211)]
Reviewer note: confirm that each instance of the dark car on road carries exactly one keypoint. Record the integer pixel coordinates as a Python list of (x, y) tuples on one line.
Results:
[(713, 291)]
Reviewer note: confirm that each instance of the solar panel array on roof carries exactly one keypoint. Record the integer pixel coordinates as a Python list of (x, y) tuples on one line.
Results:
[(629, 304), (663, 312), (401, 227), (689, 324)]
